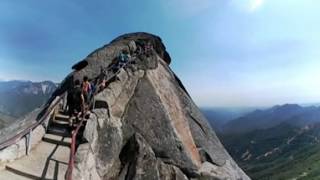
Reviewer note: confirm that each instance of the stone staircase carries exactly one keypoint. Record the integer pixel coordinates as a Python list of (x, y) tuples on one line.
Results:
[(49, 159), (59, 125)]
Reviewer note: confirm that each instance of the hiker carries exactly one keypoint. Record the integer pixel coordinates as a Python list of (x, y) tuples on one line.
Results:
[(124, 58), (140, 45), (114, 66), (102, 85), (86, 89), (148, 49), (75, 101), (103, 73), (132, 46), (101, 81), (93, 90)]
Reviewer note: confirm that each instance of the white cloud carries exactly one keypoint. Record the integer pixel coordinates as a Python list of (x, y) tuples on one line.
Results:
[(254, 5), (248, 5)]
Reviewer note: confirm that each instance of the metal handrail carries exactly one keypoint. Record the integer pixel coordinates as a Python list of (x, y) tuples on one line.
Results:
[(27, 130)]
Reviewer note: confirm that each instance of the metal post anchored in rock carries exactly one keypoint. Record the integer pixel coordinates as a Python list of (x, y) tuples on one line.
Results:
[(28, 142)]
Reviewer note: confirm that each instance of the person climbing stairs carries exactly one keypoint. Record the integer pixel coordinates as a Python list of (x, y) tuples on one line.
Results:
[(53, 157)]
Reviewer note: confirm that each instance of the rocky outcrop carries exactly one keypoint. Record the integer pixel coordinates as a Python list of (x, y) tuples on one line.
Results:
[(144, 124)]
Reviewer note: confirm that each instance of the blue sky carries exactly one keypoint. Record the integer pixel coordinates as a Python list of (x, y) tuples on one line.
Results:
[(226, 52)]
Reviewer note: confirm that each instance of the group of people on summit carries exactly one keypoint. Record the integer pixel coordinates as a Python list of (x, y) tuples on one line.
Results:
[(80, 96)]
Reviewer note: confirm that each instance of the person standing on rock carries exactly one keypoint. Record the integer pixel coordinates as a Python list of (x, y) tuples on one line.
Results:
[(101, 83), (86, 90), (75, 101), (148, 49), (124, 58), (93, 85)]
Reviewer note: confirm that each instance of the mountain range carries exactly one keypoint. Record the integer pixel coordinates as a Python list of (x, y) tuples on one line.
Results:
[(263, 119), (218, 117), (17, 98), (282, 142)]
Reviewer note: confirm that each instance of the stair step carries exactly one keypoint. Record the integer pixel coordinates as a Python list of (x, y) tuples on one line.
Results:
[(61, 117), (62, 111), (46, 161), (60, 121), (57, 139), (60, 131)]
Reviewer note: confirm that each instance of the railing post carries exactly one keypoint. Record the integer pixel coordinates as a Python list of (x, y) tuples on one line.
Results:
[(64, 101), (28, 142), (27, 132), (94, 102)]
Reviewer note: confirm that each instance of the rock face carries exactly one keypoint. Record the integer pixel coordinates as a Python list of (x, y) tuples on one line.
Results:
[(144, 124)]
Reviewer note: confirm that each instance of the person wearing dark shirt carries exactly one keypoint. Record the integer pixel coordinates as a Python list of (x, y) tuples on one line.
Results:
[(75, 101)]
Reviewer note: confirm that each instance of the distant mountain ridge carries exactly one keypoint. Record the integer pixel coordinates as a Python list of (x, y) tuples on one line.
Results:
[(263, 119), (281, 152), (18, 98), (282, 142), (219, 116)]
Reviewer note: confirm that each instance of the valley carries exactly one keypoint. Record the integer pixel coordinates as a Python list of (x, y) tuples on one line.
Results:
[(18, 98), (282, 142)]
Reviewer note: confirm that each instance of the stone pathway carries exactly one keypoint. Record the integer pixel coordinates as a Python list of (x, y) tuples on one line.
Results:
[(48, 160)]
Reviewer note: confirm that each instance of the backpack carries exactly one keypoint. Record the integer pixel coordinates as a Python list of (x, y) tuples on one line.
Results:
[(70, 97), (75, 96)]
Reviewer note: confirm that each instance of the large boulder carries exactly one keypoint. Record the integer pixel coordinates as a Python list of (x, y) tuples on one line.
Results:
[(144, 124)]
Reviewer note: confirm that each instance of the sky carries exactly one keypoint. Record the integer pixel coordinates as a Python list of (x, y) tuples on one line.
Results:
[(226, 52)]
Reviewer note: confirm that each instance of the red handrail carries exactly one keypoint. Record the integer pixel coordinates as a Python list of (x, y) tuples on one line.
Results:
[(74, 136), (73, 148)]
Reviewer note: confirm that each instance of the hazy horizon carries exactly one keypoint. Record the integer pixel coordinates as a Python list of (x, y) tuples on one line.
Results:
[(226, 52)]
